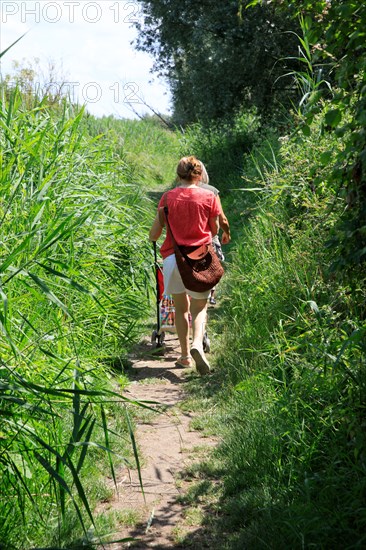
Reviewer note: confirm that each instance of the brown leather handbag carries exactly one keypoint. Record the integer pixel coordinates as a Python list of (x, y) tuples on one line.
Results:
[(199, 266)]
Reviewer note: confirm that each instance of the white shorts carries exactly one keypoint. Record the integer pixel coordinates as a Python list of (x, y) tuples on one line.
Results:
[(173, 283)]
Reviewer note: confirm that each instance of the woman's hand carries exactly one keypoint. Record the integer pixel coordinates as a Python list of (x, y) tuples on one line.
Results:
[(225, 238)]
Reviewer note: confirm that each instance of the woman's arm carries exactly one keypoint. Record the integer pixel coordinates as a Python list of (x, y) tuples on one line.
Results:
[(214, 225), (224, 225), (156, 229)]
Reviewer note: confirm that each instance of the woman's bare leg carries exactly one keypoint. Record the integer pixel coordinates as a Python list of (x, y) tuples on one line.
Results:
[(199, 313), (181, 303)]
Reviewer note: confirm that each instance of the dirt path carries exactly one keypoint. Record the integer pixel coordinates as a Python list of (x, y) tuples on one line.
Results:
[(167, 446)]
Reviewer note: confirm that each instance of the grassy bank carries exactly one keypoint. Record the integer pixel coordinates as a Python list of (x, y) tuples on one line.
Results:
[(288, 396)]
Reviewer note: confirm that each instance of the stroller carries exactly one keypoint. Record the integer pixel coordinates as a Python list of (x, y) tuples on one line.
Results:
[(165, 311)]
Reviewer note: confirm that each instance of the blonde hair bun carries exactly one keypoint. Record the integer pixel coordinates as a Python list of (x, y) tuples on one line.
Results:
[(188, 167)]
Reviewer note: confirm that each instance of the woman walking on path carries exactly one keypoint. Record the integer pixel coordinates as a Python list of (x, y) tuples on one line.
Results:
[(194, 219)]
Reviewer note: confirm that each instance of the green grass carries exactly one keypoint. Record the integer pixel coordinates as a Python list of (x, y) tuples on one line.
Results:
[(75, 291), (150, 149), (287, 396)]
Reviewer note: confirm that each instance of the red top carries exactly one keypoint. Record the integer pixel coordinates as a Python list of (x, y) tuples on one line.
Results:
[(189, 209)]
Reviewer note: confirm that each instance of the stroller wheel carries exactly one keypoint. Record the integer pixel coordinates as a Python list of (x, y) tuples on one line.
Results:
[(154, 336), (206, 343), (161, 338)]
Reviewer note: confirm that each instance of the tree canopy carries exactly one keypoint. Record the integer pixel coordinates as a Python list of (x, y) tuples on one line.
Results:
[(216, 57)]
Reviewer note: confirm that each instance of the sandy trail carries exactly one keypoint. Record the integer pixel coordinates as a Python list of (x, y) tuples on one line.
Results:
[(166, 444)]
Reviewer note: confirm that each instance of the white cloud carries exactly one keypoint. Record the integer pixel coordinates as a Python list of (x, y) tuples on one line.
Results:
[(89, 52)]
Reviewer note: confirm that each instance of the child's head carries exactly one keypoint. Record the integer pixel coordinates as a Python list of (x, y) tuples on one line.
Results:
[(204, 175)]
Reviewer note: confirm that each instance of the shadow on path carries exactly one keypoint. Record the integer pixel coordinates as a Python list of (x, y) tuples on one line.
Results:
[(168, 448), (150, 362)]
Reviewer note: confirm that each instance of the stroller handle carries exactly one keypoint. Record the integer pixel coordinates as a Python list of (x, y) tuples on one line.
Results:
[(157, 287), (155, 252)]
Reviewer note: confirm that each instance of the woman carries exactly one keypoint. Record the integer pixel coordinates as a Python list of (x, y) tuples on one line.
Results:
[(193, 215)]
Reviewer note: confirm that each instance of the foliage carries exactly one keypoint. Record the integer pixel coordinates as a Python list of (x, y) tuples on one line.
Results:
[(34, 83), (290, 389), (335, 31), (290, 386), (200, 50), (222, 147), (150, 148), (74, 278), (290, 335), (215, 60)]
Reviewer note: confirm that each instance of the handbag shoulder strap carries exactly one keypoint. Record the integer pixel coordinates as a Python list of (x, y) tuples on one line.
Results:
[(166, 212)]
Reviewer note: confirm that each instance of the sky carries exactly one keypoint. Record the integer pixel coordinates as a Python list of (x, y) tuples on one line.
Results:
[(90, 45)]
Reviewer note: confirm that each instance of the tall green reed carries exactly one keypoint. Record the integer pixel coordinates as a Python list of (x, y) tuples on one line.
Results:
[(74, 277)]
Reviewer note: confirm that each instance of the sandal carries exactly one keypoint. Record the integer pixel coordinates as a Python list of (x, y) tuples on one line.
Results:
[(202, 365), (184, 362)]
